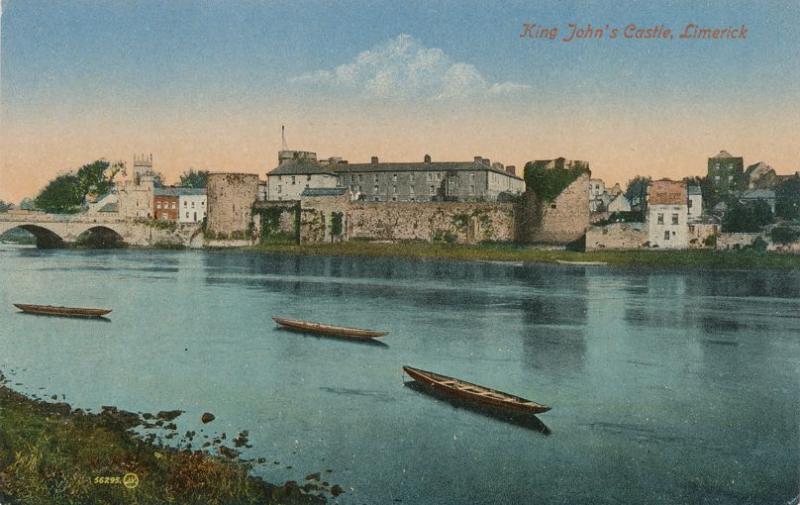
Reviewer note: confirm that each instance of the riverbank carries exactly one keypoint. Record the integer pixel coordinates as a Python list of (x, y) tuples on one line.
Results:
[(51, 453), (517, 253)]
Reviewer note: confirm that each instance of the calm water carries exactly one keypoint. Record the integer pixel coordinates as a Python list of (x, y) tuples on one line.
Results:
[(667, 386)]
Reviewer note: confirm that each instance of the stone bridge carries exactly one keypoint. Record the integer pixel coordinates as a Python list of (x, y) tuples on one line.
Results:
[(60, 230)]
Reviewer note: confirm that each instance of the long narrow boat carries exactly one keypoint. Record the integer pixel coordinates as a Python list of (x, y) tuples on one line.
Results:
[(327, 329), (475, 393), (50, 310)]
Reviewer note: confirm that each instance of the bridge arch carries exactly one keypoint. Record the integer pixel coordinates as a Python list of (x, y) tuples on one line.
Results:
[(45, 238), (100, 237)]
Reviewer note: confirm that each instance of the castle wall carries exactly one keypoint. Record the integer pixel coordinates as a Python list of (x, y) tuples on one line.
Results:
[(561, 221), (230, 200)]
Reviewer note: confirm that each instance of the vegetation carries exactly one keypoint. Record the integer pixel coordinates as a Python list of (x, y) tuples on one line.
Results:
[(787, 198), (784, 235), (548, 183), (747, 217), (159, 224), (5, 206), (271, 224), (636, 191), (194, 179), (514, 252), (336, 224), (50, 453), (66, 193)]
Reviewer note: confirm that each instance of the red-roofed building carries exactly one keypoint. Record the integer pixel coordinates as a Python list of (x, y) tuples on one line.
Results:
[(668, 214)]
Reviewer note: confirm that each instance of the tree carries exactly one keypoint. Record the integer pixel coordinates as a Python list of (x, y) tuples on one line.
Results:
[(787, 198), (4, 206), (62, 195), (747, 217), (27, 203), (158, 180), (194, 179), (66, 193), (636, 191)]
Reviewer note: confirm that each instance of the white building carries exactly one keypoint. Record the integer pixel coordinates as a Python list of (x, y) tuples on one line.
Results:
[(695, 203), (192, 205), (296, 171), (667, 215)]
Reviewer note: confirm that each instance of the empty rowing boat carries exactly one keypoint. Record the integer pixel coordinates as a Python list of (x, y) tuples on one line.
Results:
[(475, 393), (327, 329), (50, 310)]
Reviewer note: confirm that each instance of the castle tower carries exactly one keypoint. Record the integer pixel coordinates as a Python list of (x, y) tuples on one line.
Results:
[(142, 168)]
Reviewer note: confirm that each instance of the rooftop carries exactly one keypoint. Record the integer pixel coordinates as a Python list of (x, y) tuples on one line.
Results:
[(723, 155), (177, 191)]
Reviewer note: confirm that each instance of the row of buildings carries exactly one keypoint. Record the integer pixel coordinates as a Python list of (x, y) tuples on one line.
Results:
[(142, 197)]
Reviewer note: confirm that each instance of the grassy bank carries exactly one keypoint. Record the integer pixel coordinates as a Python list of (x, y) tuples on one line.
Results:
[(50, 453), (512, 252)]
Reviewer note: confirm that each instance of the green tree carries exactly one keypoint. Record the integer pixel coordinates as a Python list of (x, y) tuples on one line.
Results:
[(194, 178), (787, 198), (97, 177), (548, 183), (5, 206), (62, 195), (636, 191), (27, 204), (747, 217)]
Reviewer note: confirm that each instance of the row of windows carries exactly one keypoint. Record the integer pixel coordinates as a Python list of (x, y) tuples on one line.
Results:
[(660, 219), (174, 205)]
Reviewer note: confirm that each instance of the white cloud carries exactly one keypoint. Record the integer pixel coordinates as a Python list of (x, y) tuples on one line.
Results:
[(402, 68)]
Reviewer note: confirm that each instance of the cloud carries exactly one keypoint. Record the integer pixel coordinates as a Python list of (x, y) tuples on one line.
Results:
[(402, 68)]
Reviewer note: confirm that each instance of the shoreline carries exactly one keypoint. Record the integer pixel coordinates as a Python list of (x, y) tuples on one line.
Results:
[(53, 453), (514, 253)]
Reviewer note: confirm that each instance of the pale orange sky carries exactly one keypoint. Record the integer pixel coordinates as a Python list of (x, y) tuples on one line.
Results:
[(663, 144)]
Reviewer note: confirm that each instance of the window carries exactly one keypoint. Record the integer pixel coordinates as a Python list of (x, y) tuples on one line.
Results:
[(187, 215), (174, 205), (690, 203), (394, 198), (433, 190), (394, 177), (186, 203), (666, 235), (279, 189), (158, 205), (376, 177), (394, 189), (674, 219), (376, 189), (660, 219), (359, 178), (292, 179), (411, 177), (308, 177), (192, 204)]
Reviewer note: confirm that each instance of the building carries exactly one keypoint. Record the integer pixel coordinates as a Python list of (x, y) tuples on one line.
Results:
[(165, 204), (231, 197), (192, 205), (597, 194), (726, 173), (667, 214), (297, 171), (136, 195), (751, 196), (619, 204), (760, 176), (694, 203), (476, 180)]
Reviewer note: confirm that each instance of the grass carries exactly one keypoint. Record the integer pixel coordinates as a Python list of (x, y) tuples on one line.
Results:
[(52, 454), (516, 253)]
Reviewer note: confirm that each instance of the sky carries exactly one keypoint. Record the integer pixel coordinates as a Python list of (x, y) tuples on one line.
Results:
[(208, 84)]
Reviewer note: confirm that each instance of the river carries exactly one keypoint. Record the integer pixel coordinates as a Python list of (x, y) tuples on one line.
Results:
[(667, 386)]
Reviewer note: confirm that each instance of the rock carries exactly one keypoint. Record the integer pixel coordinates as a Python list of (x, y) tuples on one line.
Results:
[(54, 397), (170, 426), (262, 460), (241, 439), (336, 490), (168, 415), (207, 417), (228, 452), (313, 476)]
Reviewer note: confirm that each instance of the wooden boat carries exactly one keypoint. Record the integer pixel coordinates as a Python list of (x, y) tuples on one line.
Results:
[(327, 329), (475, 393), (50, 310), (582, 263)]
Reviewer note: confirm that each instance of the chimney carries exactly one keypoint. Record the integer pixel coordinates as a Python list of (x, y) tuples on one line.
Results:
[(374, 160), (427, 158), (478, 159), (487, 162), (511, 169)]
